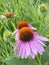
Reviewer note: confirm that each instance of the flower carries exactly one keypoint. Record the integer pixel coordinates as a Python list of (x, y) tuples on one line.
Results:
[(9, 14), (28, 43), (23, 23)]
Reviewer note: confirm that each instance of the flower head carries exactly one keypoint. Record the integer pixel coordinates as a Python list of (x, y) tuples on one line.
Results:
[(28, 43), (22, 24), (25, 34), (7, 15)]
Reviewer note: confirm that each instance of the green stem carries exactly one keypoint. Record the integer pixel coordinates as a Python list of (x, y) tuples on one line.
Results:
[(13, 25), (38, 60)]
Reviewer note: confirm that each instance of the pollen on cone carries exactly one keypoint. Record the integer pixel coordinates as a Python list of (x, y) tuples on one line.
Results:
[(22, 24), (25, 34)]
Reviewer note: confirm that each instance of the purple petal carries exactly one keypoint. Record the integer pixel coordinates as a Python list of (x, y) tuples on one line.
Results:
[(43, 38), (39, 47), (23, 51), (27, 49), (32, 54), (41, 43), (33, 48), (20, 50), (35, 33), (30, 26)]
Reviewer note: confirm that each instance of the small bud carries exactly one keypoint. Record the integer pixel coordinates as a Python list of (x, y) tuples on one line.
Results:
[(42, 7), (7, 34)]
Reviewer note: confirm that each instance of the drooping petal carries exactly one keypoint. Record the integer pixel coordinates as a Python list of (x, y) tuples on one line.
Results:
[(43, 38), (31, 27), (39, 47), (32, 54), (23, 51), (20, 50), (33, 48), (27, 49), (41, 43)]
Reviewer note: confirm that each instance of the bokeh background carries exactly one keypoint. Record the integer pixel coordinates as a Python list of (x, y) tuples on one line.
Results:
[(30, 11)]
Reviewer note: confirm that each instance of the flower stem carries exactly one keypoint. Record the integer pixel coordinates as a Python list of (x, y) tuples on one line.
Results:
[(38, 60), (13, 25)]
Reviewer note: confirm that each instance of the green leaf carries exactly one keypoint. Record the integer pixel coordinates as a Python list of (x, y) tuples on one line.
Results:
[(16, 61), (46, 63), (45, 57), (1, 25)]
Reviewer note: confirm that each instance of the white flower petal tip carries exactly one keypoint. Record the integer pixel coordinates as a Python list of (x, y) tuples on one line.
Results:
[(43, 38), (2, 16), (30, 26), (33, 28), (15, 32), (44, 45)]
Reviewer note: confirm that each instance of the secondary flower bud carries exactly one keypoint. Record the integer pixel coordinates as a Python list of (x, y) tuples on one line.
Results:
[(42, 7)]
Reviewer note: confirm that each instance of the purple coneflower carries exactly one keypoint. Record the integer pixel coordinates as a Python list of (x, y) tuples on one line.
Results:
[(7, 15), (28, 43)]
